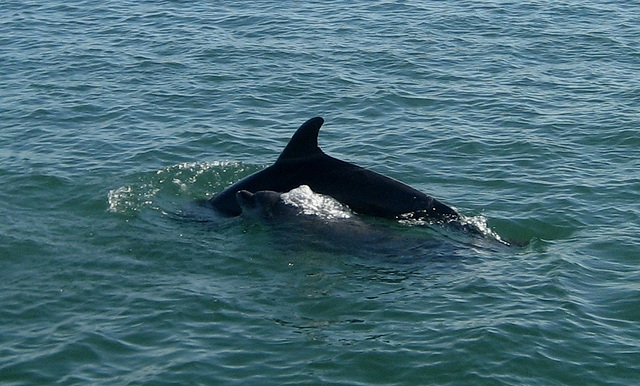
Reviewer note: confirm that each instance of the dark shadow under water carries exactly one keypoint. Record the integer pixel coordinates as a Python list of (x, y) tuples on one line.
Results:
[(358, 236), (170, 191)]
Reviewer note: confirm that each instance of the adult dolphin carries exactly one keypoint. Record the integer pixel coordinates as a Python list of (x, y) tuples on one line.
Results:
[(363, 191)]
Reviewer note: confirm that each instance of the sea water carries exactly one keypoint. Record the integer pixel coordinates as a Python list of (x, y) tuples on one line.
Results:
[(117, 117)]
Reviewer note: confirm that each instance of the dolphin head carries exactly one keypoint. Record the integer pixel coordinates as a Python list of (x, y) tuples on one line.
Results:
[(265, 203)]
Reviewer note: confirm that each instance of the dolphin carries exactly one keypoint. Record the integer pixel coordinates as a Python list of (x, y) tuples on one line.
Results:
[(310, 219), (299, 202), (265, 204), (364, 191)]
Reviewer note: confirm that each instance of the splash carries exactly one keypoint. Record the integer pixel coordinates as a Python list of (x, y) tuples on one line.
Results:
[(480, 223), (475, 225), (189, 180), (311, 203), (128, 199)]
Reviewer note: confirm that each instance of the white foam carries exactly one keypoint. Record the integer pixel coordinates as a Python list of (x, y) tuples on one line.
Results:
[(312, 203), (480, 222)]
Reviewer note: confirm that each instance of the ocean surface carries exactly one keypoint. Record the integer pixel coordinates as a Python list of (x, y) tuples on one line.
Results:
[(117, 118)]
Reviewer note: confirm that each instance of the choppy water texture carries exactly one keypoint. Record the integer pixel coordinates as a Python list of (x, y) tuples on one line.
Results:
[(117, 117)]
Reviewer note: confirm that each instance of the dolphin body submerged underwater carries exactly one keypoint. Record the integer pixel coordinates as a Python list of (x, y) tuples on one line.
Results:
[(364, 191), (315, 220)]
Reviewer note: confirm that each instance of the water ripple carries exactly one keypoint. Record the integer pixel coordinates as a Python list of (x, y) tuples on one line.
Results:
[(117, 117)]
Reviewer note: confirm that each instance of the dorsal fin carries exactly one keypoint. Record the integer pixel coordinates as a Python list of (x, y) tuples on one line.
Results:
[(304, 142)]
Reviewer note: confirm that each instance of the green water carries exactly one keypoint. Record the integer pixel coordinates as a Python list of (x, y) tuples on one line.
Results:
[(116, 118)]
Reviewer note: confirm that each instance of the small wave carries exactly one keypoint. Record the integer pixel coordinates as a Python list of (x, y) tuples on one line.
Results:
[(474, 225), (128, 199), (184, 181), (480, 223)]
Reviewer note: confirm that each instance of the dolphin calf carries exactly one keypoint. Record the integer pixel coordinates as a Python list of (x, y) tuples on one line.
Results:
[(299, 202), (304, 218), (264, 203), (299, 205), (364, 191)]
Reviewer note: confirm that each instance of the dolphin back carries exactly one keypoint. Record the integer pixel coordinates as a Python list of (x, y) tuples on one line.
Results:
[(302, 162)]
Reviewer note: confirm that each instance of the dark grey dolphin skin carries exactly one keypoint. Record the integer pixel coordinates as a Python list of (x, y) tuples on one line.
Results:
[(265, 204), (339, 233), (363, 191)]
